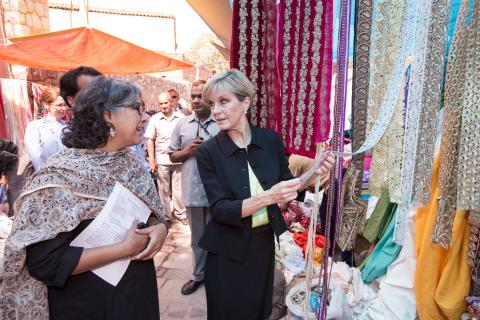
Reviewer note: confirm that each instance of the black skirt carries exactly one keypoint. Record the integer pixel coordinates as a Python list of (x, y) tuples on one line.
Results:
[(242, 290)]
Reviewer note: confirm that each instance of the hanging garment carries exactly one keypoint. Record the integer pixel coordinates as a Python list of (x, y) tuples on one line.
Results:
[(442, 276), (17, 109), (299, 71), (352, 213), (353, 203), (452, 123), (386, 30), (468, 192), (423, 104)]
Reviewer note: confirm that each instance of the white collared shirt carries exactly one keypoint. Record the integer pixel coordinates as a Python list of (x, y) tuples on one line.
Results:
[(160, 129)]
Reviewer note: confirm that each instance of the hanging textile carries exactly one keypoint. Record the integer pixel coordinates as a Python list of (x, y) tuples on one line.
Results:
[(292, 84), (408, 27), (353, 212), (4, 134), (387, 155), (431, 97), (468, 195), (386, 30), (17, 109), (38, 110), (473, 254), (429, 49), (253, 53), (442, 276), (361, 65), (452, 122)]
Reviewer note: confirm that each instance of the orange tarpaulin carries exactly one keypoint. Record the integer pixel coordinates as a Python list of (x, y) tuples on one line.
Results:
[(68, 49)]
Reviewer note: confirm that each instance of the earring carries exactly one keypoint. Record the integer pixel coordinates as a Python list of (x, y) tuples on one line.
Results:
[(112, 132), (246, 111)]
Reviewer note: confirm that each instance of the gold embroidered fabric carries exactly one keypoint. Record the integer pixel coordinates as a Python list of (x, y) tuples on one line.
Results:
[(431, 98), (385, 38), (363, 28), (450, 139), (353, 211), (468, 192), (473, 251)]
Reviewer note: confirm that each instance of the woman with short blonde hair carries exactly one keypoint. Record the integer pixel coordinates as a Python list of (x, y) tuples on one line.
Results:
[(246, 179)]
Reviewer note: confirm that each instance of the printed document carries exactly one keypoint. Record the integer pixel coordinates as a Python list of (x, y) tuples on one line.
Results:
[(110, 227)]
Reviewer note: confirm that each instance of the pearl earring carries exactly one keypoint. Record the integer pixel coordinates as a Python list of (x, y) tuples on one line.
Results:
[(112, 132)]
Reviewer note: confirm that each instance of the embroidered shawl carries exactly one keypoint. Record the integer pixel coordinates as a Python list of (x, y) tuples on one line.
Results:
[(72, 187)]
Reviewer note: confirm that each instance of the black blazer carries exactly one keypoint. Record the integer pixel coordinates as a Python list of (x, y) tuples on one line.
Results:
[(224, 172)]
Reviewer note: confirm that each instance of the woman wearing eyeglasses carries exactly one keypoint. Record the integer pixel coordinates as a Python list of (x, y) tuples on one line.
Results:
[(38, 131), (47, 278)]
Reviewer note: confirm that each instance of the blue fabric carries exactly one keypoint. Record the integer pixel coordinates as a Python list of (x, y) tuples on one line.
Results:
[(382, 256)]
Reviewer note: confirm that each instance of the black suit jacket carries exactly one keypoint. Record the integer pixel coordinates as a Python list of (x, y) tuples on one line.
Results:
[(224, 173)]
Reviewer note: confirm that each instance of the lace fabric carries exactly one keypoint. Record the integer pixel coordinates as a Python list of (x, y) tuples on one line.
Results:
[(450, 138), (468, 190)]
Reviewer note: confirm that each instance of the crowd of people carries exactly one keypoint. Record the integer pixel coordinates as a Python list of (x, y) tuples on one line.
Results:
[(203, 165)]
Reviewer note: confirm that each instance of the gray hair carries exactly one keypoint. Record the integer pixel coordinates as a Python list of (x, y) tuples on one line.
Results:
[(232, 80), (108, 93), (88, 128)]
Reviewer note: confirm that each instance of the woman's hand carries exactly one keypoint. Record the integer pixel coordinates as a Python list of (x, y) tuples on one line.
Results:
[(157, 235), (285, 191), (134, 243), (324, 165)]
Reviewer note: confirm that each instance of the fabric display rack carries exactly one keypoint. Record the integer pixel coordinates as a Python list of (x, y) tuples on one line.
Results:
[(396, 234)]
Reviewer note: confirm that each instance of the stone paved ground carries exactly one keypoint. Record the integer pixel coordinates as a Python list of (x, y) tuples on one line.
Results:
[(173, 265)]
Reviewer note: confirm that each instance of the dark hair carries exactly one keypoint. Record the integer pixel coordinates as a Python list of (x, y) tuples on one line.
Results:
[(68, 82), (198, 83), (88, 128)]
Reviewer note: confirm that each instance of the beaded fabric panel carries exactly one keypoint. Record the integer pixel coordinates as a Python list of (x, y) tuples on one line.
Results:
[(418, 14), (473, 250), (450, 138), (361, 76), (305, 70), (353, 212), (289, 62), (468, 191), (386, 29), (252, 49), (353, 203), (431, 98)]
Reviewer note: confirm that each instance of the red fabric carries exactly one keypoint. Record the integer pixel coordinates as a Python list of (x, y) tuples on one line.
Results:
[(3, 121), (301, 240), (279, 103)]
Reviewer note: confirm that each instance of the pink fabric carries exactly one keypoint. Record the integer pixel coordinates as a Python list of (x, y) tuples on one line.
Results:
[(16, 105)]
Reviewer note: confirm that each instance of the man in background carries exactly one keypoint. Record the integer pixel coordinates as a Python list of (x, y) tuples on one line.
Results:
[(189, 133), (158, 133)]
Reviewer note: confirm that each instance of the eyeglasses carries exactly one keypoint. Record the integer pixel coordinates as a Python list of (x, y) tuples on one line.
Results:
[(162, 103), (62, 105)]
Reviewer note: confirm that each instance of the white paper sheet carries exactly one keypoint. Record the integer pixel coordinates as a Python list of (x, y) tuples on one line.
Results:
[(110, 227)]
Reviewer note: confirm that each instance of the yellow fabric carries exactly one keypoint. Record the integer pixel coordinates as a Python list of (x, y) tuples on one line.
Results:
[(260, 217), (68, 49), (442, 276)]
